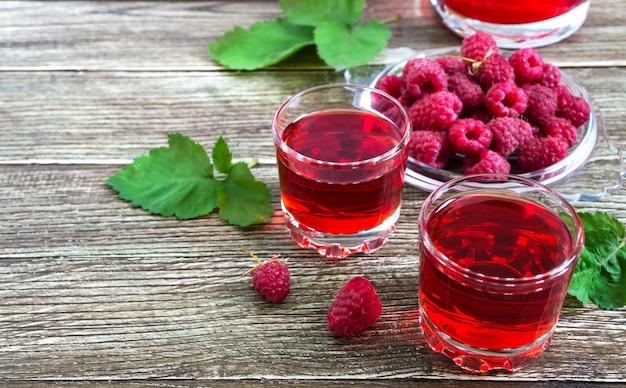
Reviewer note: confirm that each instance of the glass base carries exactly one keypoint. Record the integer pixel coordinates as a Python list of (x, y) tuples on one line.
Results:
[(481, 360), (339, 246), (514, 36)]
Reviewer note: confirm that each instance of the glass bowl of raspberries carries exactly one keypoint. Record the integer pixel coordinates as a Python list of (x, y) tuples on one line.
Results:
[(480, 109)]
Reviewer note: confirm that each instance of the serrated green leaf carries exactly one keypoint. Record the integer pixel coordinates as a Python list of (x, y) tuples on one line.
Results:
[(317, 12), (242, 200), (176, 180), (222, 157), (600, 275), (342, 47), (263, 44)]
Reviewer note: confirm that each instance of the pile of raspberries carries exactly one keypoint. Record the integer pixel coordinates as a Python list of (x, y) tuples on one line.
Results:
[(487, 108)]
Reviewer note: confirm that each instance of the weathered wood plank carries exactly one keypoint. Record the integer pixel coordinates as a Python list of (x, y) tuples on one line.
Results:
[(68, 117), (95, 289), (175, 35)]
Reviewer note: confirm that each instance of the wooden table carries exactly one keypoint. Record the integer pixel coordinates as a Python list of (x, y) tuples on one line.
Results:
[(93, 290)]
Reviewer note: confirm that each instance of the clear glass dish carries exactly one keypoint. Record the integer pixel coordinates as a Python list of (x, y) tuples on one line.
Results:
[(593, 168)]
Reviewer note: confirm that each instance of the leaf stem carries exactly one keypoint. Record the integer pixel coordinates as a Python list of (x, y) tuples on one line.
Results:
[(251, 254)]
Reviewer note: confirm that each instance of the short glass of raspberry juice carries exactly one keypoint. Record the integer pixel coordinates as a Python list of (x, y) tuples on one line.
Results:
[(342, 154), (515, 24), (496, 257)]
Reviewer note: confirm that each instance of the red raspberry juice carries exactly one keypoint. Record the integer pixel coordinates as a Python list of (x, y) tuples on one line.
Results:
[(511, 11), (496, 237), (341, 199)]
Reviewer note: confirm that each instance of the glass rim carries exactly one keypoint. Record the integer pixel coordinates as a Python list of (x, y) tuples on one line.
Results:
[(577, 243), (388, 155)]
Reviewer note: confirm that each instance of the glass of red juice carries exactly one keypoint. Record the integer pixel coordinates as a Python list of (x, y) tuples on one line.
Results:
[(342, 153), (497, 254), (514, 23)]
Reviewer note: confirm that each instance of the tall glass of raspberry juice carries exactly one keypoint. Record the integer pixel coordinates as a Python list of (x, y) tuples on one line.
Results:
[(342, 155), (496, 257), (514, 23)]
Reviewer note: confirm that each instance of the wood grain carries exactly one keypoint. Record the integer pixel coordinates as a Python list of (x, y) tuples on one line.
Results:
[(96, 292), (99, 117)]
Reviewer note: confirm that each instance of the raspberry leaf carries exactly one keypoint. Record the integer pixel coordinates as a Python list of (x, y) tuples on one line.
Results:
[(178, 180), (222, 157), (263, 44), (317, 12), (242, 200), (600, 275), (175, 180), (342, 46)]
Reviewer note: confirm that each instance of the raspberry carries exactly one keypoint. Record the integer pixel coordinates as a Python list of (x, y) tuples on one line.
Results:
[(575, 109), (493, 70), (435, 112), (541, 152), (551, 76), (431, 148), (561, 127), (411, 65), (509, 133), (469, 136), (477, 46), (469, 91), (406, 100), (541, 103), (452, 65), (488, 161), (482, 113), (527, 64), (355, 308), (505, 99), (427, 78), (271, 278), (391, 84)]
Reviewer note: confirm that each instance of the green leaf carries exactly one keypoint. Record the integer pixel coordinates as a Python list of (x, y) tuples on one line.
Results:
[(317, 12), (342, 47), (222, 158), (175, 180), (600, 275), (264, 44), (242, 200)]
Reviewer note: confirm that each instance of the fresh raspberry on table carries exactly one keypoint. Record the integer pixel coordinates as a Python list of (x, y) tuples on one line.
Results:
[(509, 133), (452, 65), (435, 112), (541, 152), (551, 76), (431, 148), (527, 64), (469, 136), (561, 127), (467, 89), (478, 45), (271, 278), (542, 102), (355, 308), (505, 99), (575, 109), (486, 162), (427, 78), (391, 84), (493, 70)]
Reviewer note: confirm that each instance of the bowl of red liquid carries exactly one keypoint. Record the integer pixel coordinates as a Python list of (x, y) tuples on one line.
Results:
[(514, 24), (593, 168), (496, 257)]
